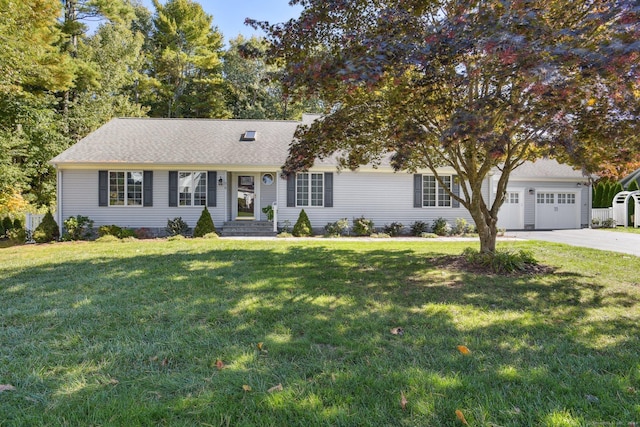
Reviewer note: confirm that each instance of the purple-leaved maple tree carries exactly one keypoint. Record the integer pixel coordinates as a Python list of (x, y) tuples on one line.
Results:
[(467, 85)]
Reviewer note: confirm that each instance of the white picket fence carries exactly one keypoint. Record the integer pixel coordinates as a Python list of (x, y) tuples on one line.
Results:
[(601, 214), (32, 221)]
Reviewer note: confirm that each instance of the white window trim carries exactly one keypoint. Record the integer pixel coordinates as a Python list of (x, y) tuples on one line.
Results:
[(126, 199), (437, 193), (206, 189), (310, 192)]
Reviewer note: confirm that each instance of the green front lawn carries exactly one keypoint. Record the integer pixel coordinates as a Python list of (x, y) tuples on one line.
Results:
[(298, 333)]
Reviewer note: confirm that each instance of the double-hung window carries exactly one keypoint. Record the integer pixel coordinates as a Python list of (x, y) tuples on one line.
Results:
[(310, 189), (192, 188), (125, 188), (433, 193)]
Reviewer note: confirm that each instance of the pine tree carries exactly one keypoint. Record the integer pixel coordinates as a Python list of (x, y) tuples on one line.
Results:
[(302, 228), (204, 225), (47, 231)]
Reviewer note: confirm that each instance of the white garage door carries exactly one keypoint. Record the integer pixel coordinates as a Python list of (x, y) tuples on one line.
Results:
[(557, 210), (511, 214)]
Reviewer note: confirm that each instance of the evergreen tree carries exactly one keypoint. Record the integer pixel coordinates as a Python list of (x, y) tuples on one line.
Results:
[(204, 225), (186, 62), (47, 231), (302, 227)]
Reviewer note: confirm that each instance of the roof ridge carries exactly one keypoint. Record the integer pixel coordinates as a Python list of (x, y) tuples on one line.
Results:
[(207, 119)]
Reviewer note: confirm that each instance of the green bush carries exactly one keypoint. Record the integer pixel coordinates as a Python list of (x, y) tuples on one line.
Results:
[(302, 227), (109, 230), (211, 235), (362, 226), (177, 227), (7, 224), (17, 236), (393, 229), (441, 227), (17, 224), (204, 224), (418, 228), (78, 228), (116, 231), (460, 227), (500, 261), (337, 229), (268, 211), (47, 231)]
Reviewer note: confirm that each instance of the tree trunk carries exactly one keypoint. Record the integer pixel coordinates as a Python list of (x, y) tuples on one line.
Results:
[(487, 228)]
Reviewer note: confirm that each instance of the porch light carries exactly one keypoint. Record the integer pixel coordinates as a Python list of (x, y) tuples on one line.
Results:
[(220, 181)]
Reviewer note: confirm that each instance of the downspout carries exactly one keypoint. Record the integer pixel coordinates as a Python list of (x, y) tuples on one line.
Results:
[(590, 201), (59, 214), (275, 204)]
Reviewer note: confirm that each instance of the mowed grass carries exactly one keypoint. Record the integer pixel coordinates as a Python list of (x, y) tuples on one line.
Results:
[(198, 332)]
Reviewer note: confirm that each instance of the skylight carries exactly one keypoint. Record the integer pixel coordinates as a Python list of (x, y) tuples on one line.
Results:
[(249, 135)]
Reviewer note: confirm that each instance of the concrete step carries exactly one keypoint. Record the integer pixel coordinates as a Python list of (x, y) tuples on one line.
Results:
[(247, 228)]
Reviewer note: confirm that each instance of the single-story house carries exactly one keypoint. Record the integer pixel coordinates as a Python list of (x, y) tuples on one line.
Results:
[(140, 172)]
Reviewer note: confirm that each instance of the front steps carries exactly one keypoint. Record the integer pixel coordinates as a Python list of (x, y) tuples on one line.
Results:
[(247, 229)]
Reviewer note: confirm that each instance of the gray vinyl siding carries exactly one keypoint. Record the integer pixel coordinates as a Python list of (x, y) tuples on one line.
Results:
[(379, 196), (80, 197), (268, 193)]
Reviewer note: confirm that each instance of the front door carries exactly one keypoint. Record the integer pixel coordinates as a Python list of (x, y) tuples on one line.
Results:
[(246, 197)]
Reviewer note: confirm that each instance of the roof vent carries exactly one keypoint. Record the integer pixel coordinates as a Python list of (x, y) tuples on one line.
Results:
[(249, 135)]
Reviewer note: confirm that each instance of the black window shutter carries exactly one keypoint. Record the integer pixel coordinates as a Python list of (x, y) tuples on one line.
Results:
[(173, 188), (328, 189), (291, 190), (212, 189), (455, 189), (417, 191), (103, 188), (147, 182)]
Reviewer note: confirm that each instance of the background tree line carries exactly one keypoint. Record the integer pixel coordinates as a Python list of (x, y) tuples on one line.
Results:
[(60, 79)]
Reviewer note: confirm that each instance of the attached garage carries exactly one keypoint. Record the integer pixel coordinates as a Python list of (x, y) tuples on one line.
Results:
[(545, 195), (511, 214), (557, 209)]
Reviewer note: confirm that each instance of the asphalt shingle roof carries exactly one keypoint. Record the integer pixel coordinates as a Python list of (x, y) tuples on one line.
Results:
[(546, 168), (183, 141)]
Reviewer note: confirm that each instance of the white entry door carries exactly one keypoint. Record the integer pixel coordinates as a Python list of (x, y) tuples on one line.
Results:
[(511, 214), (557, 210)]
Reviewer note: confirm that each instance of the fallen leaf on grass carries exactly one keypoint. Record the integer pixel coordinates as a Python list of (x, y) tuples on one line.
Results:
[(460, 416), (6, 387), (260, 346), (464, 349), (219, 364), (397, 331), (275, 388), (403, 401), (246, 387), (591, 398)]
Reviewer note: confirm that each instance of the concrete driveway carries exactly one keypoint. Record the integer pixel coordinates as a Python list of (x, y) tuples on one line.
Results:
[(627, 243)]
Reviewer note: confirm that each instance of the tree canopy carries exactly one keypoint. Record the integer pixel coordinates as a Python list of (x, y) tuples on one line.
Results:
[(467, 85)]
